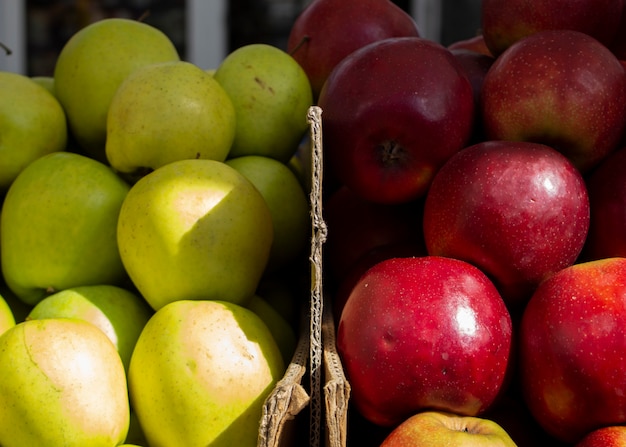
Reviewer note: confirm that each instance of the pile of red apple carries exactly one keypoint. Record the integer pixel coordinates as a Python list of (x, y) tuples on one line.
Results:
[(475, 198)]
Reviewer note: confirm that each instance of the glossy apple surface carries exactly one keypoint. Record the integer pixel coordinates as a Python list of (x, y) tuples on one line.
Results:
[(440, 429), (327, 31), (504, 22), (606, 186), (475, 44), (394, 112), (519, 211), (424, 333), (612, 436), (572, 349), (561, 88)]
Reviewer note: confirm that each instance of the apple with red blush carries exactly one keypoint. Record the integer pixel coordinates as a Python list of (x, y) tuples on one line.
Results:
[(423, 333), (611, 436), (442, 429), (505, 22), (475, 43), (394, 112), (519, 211), (327, 31), (573, 349), (606, 186), (562, 88)]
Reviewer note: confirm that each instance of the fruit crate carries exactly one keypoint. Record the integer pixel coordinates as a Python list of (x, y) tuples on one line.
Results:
[(291, 410)]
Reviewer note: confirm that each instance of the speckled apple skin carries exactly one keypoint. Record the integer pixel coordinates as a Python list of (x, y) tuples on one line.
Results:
[(573, 349), (611, 436), (424, 333)]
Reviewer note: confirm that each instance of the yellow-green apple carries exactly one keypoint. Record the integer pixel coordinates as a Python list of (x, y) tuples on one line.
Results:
[(281, 330), (166, 112), (19, 308), (422, 333), (357, 226), (606, 186), (271, 95), (519, 211), (91, 66), (504, 22), (562, 88), (394, 112), (611, 436), (285, 293), (7, 319), (119, 313), (32, 124), (200, 373), (62, 382), (59, 224), (572, 349), (327, 31), (194, 229), (287, 202), (438, 428), (46, 82)]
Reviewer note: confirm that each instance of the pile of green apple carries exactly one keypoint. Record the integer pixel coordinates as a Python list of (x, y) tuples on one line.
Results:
[(475, 201), (153, 241)]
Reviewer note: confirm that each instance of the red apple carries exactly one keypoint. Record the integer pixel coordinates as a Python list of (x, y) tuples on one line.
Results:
[(561, 88), (519, 211), (606, 186), (394, 112), (357, 226), (441, 429), (327, 31), (475, 44), (504, 22), (612, 436), (424, 333), (573, 349)]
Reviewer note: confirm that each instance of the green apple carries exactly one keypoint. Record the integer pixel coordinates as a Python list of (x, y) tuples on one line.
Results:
[(32, 124), (91, 66), (61, 383), (271, 94), (7, 319), (278, 289), (194, 229), (119, 313), (59, 224), (280, 328), (19, 308), (288, 204), (200, 373), (46, 82), (167, 112), (441, 429)]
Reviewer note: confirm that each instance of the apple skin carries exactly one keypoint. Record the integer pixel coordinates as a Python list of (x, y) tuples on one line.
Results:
[(475, 44), (442, 429), (327, 31), (572, 349), (505, 22), (561, 88), (606, 186), (394, 112), (500, 206), (612, 436), (403, 353)]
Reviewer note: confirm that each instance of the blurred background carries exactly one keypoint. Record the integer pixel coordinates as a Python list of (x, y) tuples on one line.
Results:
[(204, 31)]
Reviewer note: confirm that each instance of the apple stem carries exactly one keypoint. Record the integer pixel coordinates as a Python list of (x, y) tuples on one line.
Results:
[(6, 49), (304, 39), (144, 16), (391, 152)]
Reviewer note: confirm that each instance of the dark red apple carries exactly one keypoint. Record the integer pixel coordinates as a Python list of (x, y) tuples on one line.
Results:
[(612, 436), (561, 88), (424, 333), (618, 45), (504, 22), (326, 31), (606, 186), (393, 113), (357, 227), (573, 349), (475, 44), (519, 211)]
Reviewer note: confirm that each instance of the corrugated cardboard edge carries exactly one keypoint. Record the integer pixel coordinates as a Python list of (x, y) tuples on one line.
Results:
[(289, 398), (337, 387)]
